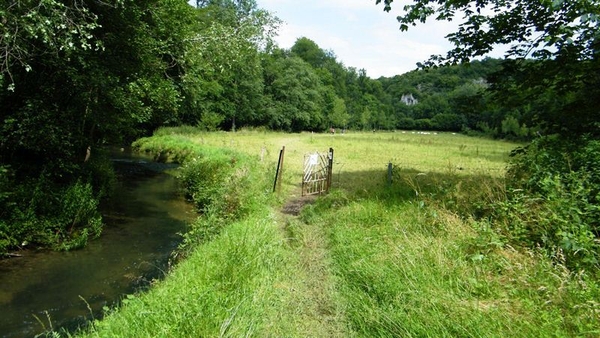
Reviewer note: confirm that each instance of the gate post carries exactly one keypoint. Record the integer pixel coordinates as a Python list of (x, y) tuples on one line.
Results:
[(278, 173), (329, 168)]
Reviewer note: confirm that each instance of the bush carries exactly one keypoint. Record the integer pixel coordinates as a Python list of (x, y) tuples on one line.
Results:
[(221, 182), (406, 123), (423, 124), (39, 212), (210, 121), (79, 218), (553, 188), (6, 241), (448, 122), (225, 187)]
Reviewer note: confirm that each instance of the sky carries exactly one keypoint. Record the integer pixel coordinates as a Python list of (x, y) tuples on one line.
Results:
[(361, 34)]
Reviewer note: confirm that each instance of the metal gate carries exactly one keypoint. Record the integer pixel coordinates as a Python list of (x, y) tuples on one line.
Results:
[(318, 169)]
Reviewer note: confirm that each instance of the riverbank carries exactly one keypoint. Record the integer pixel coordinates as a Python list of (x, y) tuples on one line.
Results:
[(44, 289), (369, 259), (240, 275)]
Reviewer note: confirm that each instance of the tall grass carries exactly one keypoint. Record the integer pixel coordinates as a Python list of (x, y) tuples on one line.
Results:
[(235, 285), (409, 270), (417, 258), (241, 275)]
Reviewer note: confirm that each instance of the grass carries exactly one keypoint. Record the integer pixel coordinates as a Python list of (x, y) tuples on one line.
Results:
[(237, 285), (361, 159), (369, 259), (409, 271)]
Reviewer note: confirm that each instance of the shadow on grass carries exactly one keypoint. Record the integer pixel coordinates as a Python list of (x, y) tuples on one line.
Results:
[(460, 192)]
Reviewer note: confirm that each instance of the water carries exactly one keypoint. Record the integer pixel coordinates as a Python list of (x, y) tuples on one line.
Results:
[(67, 289)]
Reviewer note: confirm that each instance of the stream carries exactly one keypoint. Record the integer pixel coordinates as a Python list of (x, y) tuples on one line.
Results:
[(45, 290)]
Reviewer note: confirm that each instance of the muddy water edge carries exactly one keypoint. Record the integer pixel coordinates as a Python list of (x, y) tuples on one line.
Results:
[(44, 290)]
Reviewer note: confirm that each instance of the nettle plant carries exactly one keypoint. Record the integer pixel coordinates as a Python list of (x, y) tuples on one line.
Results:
[(553, 189)]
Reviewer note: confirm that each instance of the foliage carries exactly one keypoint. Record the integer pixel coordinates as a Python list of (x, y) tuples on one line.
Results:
[(368, 259), (553, 198), (310, 52), (38, 214), (224, 185), (75, 77), (456, 93), (294, 96), (448, 122), (80, 216), (210, 121), (6, 240), (339, 114), (547, 84), (224, 189), (47, 28), (223, 71), (560, 36), (548, 200), (511, 128), (534, 27)]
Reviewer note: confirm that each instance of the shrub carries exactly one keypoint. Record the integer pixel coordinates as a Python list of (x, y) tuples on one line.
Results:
[(210, 121), (423, 124), (448, 122), (40, 212), (406, 123), (225, 187), (79, 218), (553, 188), (6, 241), (5, 207), (221, 182)]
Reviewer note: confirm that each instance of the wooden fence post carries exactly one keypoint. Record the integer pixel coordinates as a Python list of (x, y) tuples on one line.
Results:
[(279, 171), (330, 169)]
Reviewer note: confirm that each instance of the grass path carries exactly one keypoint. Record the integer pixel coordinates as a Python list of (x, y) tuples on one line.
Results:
[(314, 288)]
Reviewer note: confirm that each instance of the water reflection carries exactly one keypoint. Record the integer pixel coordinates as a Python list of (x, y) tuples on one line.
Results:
[(141, 230)]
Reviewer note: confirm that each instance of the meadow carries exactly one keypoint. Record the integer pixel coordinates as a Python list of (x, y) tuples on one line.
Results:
[(414, 258), (361, 159)]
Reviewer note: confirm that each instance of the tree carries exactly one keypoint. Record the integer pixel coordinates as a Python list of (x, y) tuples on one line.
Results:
[(225, 75), (77, 75), (309, 51), (338, 117), (555, 48), (542, 29), (448, 122), (294, 95), (29, 30)]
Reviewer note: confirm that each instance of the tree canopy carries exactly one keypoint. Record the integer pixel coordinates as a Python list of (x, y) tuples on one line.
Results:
[(553, 59), (540, 29)]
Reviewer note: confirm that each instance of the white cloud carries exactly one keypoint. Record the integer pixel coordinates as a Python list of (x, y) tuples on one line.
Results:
[(360, 33)]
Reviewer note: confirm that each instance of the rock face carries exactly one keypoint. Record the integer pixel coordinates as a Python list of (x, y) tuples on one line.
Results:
[(409, 99)]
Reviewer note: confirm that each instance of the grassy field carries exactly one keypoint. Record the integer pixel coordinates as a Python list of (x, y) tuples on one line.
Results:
[(361, 159), (367, 260)]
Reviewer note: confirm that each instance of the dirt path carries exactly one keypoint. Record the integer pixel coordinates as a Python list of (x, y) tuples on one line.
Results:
[(315, 295), (295, 205)]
